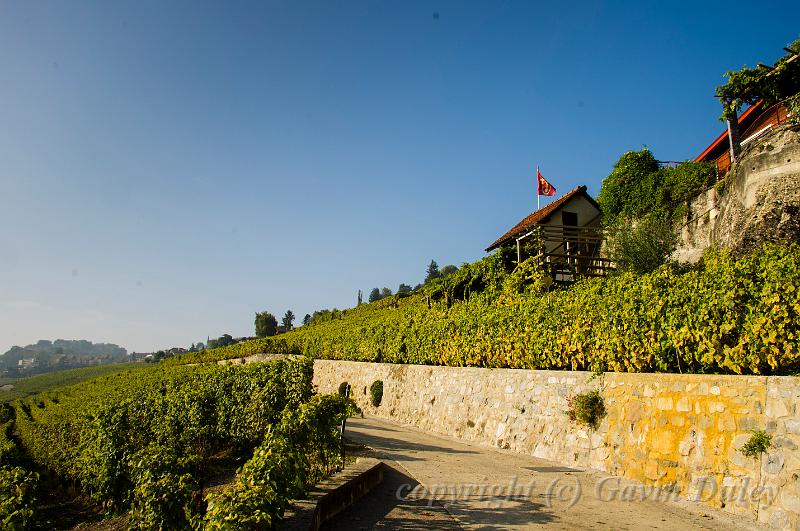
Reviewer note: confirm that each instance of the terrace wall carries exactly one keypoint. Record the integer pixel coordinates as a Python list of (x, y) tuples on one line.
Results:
[(680, 432)]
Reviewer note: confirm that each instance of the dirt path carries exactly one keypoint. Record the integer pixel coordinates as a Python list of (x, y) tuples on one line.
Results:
[(441, 483)]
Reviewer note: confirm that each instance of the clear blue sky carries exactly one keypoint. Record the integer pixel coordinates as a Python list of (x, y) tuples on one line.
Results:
[(170, 168)]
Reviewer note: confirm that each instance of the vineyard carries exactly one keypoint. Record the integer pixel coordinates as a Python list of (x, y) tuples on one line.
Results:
[(721, 316), (148, 443), (39, 383)]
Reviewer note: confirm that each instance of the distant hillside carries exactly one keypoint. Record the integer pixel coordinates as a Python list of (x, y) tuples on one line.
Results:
[(46, 356)]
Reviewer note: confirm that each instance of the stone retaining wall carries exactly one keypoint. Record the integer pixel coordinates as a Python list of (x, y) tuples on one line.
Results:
[(681, 432)]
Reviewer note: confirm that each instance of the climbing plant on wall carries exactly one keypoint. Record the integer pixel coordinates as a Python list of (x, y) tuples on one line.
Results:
[(639, 187)]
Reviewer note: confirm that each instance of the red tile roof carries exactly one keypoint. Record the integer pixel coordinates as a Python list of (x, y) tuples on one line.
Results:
[(532, 219)]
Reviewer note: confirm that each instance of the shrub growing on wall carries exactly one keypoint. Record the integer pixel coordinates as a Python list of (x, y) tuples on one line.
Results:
[(376, 393), (629, 190), (587, 408), (684, 181), (758, 443)]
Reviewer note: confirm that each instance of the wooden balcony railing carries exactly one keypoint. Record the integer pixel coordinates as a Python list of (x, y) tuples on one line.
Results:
[(568, 252)]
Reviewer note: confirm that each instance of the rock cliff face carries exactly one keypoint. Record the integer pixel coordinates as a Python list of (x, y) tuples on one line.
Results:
[(758, 202)]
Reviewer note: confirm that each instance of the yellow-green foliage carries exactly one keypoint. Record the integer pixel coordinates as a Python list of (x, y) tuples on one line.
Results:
[(726, 316), (17, 487), (758, 443), (8, 450), (295, 454)]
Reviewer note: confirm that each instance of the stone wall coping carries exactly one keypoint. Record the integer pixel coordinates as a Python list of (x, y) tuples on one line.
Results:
[(334, 494), (564, 373)]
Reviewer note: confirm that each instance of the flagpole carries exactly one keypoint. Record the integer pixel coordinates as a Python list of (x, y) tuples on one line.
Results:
[(538, 198)]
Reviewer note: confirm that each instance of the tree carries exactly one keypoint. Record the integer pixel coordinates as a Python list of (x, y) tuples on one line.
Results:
[(643, 246), (222, 341), (448, 270), (404, 288), (288, 319), (360, 298), (749, 85), (433, 271), (319, 316), (374, 295), (386, 292), (306, 319), (266, 324), (633, 188)]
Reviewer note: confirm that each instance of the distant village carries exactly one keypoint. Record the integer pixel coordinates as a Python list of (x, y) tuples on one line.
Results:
[(47, 356)]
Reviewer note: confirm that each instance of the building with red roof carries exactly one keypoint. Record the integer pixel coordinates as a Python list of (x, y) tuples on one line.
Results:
[(570, 236), (754, 122)]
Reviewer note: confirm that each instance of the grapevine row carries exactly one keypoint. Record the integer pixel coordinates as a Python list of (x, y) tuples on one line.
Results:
[(723, 316), (140, 442)]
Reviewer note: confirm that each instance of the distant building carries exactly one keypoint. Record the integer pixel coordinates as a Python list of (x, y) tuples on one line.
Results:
[(27, 363)]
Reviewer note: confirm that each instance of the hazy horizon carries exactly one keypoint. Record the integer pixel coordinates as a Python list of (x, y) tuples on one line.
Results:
[(171, 169)]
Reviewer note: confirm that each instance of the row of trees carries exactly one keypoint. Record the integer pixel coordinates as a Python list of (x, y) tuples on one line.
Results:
[(267, 324), (378, 294), (431, 273)]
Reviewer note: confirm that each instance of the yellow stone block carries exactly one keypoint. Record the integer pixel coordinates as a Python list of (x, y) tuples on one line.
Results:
[(651, 470), (683, 405), (677, 420), (664, 403), (726, 422), (665, 443)]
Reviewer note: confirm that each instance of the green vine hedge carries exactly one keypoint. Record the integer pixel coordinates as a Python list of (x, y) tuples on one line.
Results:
[(142, 442), (724, 316)]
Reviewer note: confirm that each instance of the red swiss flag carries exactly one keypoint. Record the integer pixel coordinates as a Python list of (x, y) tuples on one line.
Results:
[(544, 187)]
